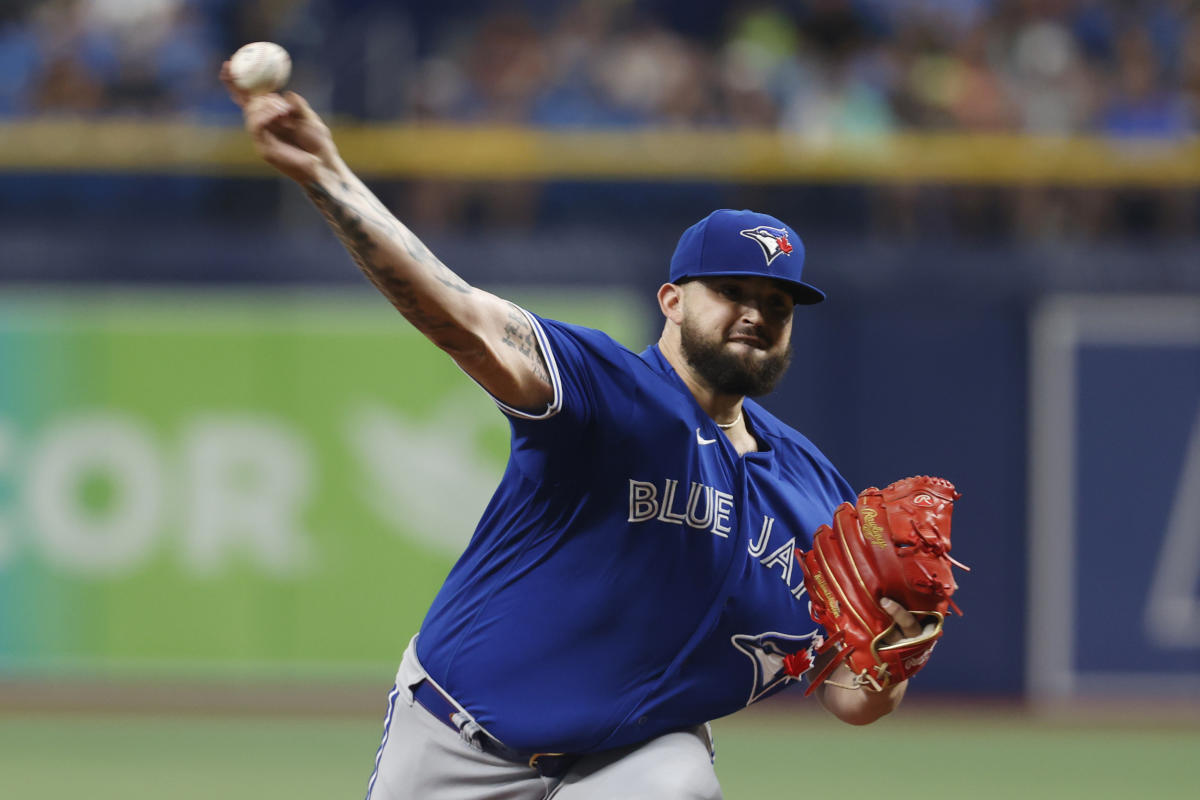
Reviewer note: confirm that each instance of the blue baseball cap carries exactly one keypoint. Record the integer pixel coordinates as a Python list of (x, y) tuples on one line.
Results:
[(729, 242)]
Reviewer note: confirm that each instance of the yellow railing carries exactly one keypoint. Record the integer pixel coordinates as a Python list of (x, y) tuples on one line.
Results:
[(513, 153)]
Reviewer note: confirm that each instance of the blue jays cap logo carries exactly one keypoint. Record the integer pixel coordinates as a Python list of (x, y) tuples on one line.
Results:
[(713, 246), (773, 241)]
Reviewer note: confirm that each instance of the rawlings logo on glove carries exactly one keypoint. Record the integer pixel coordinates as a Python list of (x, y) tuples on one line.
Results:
[(894, 542)]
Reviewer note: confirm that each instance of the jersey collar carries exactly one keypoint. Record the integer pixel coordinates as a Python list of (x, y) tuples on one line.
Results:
[(655, 359)]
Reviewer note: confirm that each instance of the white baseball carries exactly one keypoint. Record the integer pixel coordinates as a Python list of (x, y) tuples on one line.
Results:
[(260, 67)]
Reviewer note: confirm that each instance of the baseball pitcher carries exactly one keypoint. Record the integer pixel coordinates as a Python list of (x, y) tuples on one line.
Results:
[(635, 574)]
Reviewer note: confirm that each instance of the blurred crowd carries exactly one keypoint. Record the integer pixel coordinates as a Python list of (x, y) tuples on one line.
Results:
[(824, 69), (834, 68), (819, 67)]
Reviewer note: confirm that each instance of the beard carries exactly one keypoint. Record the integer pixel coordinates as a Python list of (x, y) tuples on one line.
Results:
[(730, 373)]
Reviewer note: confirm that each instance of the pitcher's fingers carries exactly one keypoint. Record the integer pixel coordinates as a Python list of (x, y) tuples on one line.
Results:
[(904, 619), (237, 95), (300, 106), (263, 110)]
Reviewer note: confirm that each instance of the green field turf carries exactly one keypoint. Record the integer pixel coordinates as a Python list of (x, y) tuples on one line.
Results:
[(912, 755)]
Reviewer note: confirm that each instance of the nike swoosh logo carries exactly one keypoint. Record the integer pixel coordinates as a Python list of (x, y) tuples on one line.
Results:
[(702, 440)]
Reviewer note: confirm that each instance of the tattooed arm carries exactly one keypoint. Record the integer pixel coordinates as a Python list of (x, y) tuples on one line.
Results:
[(488, 337)]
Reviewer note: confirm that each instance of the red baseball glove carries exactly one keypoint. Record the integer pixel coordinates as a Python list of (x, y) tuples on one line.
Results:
[(895, 543)]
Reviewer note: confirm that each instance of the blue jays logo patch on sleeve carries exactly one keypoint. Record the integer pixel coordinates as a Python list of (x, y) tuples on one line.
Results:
[(778, 658), (773, 241)]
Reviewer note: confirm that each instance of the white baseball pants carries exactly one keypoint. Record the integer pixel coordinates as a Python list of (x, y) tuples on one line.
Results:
[(420, 757)]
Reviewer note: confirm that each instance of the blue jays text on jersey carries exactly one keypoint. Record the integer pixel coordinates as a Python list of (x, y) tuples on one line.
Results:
[(632, 574)]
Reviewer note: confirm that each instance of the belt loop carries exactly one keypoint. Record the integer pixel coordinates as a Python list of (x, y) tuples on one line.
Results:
[(468, 729), (410, 672)]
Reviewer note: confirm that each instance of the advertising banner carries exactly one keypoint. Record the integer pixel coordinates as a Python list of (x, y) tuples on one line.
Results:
[(196, 483)]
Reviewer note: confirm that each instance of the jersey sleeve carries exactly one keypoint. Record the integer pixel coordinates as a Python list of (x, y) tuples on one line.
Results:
[(588, 370), (552, 368)]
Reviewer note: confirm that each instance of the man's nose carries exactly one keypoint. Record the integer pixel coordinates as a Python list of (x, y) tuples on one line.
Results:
[(752, 310)]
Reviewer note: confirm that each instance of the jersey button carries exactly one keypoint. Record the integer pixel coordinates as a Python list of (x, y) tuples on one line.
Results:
[(642, 720)]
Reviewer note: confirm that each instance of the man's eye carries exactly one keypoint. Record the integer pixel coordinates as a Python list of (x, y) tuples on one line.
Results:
[(730, 292)]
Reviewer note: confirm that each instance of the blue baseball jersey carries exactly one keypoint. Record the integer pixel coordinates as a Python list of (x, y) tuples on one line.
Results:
[(632, 574)]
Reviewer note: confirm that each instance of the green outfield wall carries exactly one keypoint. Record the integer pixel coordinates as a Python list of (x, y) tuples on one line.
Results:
[(212, 483)]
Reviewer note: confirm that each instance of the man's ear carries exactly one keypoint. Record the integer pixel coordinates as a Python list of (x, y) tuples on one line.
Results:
[(670, 302)]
